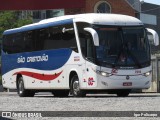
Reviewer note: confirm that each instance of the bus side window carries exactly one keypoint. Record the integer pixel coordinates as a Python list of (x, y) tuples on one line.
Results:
[(18, 43), (8, 44), (41, 36), (52, 39), (57, 39), (70, 40), (29, 41)]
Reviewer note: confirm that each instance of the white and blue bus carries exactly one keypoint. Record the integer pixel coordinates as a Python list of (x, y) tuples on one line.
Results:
[(78, 54)]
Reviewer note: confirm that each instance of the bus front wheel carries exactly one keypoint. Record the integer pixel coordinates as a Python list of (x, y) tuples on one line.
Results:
[(75, 90)]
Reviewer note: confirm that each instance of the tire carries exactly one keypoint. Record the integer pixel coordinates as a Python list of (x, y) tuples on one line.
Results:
[(75, 90), (22, 92), (123, 93), (60, 93)]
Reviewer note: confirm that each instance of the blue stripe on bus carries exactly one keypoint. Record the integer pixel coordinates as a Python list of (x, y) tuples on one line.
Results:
[(40, 26), (56, 59)]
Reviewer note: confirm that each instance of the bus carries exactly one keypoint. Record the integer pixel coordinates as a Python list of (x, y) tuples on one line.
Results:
[(78, 54)]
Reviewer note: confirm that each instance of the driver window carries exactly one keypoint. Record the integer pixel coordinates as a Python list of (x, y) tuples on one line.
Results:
[(90, 46), (87, 46)]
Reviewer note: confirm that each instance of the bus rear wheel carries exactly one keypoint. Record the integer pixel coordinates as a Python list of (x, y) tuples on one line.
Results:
[(75, 90), (123, 93), (22, 92)]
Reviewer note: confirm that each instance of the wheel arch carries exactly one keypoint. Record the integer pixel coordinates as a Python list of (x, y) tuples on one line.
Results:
[(72, 73)]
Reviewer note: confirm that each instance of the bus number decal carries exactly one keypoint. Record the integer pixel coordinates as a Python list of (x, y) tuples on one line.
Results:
[(90, 81), (114, 71)]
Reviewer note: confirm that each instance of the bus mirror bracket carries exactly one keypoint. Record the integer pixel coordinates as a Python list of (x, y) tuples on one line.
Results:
[(94, 35), (155, 36)]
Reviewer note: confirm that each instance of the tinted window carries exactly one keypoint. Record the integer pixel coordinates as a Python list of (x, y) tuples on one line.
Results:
[(29, 41), (41, 36), (60, 37), (86, 41), (41, 39), (8, 44), (18, 43)]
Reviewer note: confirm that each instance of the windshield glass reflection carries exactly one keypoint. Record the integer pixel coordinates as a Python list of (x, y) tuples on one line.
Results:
[(122, 46)]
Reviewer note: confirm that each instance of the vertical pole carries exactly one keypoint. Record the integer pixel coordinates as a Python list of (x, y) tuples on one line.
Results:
[(156, 70), (7, 90), (158, 90)]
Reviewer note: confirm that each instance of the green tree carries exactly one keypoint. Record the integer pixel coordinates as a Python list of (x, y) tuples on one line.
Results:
[(10, 20)]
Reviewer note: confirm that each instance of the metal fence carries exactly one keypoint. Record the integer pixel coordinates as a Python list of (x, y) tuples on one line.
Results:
[(155, 83)]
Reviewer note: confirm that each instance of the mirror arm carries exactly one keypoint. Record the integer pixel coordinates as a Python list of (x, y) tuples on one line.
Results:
[(94, 35), (155, 36)]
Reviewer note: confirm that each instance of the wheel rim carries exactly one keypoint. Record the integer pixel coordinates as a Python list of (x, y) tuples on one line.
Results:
[(75, 87), (21, 87)]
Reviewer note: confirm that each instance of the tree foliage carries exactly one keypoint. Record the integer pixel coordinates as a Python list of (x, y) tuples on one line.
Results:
[(10, 20)]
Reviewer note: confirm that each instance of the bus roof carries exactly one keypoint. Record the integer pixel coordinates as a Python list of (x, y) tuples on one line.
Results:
[(92, 18), (109, 19)]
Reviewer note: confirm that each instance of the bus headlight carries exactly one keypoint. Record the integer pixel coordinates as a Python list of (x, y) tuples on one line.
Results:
[(147, 73), (102, 73)]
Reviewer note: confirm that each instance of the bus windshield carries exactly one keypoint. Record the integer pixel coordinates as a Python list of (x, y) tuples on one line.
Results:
[(122, 47)]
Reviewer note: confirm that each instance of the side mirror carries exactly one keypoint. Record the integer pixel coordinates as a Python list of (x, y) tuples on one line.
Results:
[(94, 35), (154, 37)]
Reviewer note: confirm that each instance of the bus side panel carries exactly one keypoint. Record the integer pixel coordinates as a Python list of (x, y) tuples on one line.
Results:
[(40, 70), (76, 65)]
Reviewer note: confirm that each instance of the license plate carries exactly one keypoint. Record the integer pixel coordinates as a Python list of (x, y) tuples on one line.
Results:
[(127, 84)]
